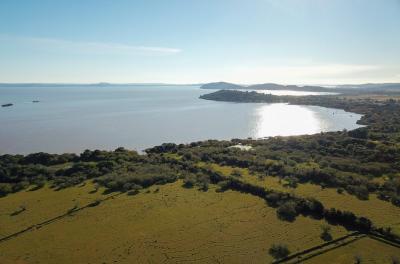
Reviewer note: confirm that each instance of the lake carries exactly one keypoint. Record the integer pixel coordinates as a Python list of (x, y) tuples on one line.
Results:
[(75, 118)]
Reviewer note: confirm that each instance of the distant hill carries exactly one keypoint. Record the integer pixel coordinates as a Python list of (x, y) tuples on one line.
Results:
[(222, 86), (89, 84), (376, 88), (273, 86), (263, 86), (266, 86), (227, 95)]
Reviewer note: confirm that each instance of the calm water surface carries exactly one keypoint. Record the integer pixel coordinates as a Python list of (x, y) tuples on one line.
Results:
[(74, 118)]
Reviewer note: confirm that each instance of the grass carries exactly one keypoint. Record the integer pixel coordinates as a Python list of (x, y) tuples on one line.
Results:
[(41, 204), (367, 249), (380, 212), (168, 224), (171, 224)]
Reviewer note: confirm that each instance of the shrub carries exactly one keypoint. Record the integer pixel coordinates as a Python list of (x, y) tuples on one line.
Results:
[(287, 211), (22, 185), (273, 198), (189, 181), (291, 182), (326, 233), (223, 186), (236, 173), (5, 188), (134, 189), (357, 259), (279, 251), (95, 203)]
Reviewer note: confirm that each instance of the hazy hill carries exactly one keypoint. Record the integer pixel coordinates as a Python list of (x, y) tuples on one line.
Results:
[(375, 88), (222, 86)]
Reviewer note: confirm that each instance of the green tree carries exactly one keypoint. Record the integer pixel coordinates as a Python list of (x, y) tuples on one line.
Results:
[(326, 233), (279, 251)]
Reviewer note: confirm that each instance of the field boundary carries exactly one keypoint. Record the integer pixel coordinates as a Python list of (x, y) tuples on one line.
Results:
[(318, 247), (309, 253), (387, 240)]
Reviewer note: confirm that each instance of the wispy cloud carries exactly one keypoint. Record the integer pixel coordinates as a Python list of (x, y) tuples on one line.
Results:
[(92, 47)]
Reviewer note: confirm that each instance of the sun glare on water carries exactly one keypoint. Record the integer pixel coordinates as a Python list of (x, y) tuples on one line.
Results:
[(284, 120)]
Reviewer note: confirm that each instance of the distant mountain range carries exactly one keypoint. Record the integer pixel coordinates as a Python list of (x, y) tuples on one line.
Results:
[(359, 88), (83, 84), (376, 88)]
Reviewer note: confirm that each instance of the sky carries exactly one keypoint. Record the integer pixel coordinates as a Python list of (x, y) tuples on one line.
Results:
[(198, 41)]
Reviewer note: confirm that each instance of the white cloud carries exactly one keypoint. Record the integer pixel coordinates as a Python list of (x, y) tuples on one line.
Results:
[(92, 47)]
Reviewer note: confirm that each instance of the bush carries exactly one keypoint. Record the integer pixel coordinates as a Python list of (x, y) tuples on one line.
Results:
[(22, 185), (287, 211), (291, 182), (360, 191), (134, 189), (236, 173), (279, 251), (5, 188), (223, 186), (95, 203), (357, 259), (326, 233), (189, 181), (273, 198)]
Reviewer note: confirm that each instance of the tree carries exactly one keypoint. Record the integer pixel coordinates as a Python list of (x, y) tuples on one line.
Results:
[(326, 233), (5, 188), (236, 173), (359, 133), (357, 259), (287, 211), (279, 251), (189, 181)]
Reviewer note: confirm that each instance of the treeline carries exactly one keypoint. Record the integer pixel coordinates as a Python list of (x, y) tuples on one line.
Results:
[(120, 170), (288, 205), (318, 159), (362, 161), (239, 96)]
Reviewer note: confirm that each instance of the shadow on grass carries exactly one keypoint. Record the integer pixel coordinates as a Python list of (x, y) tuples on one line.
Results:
[(17, 212)]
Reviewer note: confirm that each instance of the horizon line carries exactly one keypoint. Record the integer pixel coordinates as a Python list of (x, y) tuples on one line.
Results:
[(166, 83)]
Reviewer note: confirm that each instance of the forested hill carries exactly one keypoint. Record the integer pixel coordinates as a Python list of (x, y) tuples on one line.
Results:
[(386, 88), (264, 86), (332, 101), (243, 97)]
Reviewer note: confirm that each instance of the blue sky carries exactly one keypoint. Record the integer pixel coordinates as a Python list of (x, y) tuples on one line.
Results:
[(191, 41)]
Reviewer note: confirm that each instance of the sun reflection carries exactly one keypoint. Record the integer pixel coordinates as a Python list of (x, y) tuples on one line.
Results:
[(284, 120)]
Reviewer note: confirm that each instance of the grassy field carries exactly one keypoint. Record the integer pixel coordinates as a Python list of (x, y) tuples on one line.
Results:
[(380, 212), (172, 224), (167, 224), (367, 250), (41, 205)]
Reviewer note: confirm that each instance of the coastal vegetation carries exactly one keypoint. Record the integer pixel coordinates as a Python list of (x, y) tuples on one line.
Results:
[(273, 173), (368, 89)]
